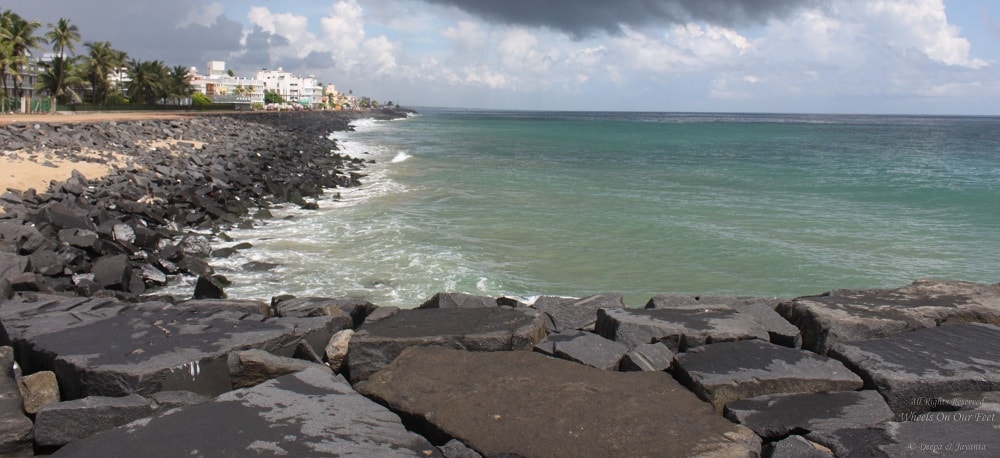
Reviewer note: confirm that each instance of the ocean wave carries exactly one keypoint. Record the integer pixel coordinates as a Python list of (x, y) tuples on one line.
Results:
[(402, 156)]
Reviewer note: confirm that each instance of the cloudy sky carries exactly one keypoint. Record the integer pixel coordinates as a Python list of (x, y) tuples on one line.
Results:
[(815, 56)]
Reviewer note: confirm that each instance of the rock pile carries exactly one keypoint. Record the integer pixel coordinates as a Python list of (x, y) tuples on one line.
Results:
[(103, 369)]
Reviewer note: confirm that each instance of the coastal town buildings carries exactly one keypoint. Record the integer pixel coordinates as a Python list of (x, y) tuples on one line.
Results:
[(304, 90), (223, 86)]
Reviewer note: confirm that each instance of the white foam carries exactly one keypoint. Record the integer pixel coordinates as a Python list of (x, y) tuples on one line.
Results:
[(402, 156)]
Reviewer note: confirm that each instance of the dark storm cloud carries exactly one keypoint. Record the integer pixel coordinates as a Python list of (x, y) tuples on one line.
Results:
[(583, 17), (143, 29)]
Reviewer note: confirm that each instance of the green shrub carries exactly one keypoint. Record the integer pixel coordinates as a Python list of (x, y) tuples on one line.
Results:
[(199, 100)]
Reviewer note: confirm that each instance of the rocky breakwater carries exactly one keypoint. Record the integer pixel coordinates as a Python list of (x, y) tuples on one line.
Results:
[(93, 366)]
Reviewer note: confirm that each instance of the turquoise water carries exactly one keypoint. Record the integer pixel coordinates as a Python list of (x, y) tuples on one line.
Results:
[(578, 203)]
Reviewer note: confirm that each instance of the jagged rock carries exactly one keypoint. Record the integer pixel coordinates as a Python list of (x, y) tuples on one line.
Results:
[(253, 367), (336, 350), (84, 239), (15, 428), (39, 389), (648, 357), (114, 350), (12, 264), (246, 306), (851, 442), (456, 449), (584, 348), (480, 329), (113, 272), (729, 371), (382, 313), (848, 315), (923, 364), (166, 400), (352, 310), (195, 245), (65, 422), (210, 287), (775, 416), (309, 413), (527, 404), (572, 313), (259, 266), (458, 300), (781, 332), (678, 329), (62, 217), (796, 447)]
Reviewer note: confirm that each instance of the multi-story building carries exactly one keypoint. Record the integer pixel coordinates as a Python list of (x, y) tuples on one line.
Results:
[(292, 88), (223, 86)]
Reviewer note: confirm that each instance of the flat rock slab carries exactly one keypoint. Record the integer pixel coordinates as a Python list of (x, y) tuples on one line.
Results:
[(730, 371), (848, 315), (912, 367), (796, 447), (144, 348), (15, 427), (309, 413), (527, 404), (583, 347), (678, 329), (775, 416), (966, 432), (566, 314), (64, 422), (458, 300), (376, 344), (781, 332), (648, 357)]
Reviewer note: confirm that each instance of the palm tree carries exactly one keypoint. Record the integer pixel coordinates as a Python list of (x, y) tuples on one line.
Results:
[(62, 36), (101, 60), (179, 82), (21, 39), (58, 78), (150, 82)]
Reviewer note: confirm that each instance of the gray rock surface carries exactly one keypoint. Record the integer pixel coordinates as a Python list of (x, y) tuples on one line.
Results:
[(911, 367), (527, 404), (777, 415), (583, 347), (456, 449), (969, 431), (253, 367), (457, 300), (65, 422), (166, 400), (15, 427), (648, 357), (113, 349), (848, 315), (781, 332), (730, 371), (678, 329), (309, 413), (796, 447), (576, 313), (477, 329)]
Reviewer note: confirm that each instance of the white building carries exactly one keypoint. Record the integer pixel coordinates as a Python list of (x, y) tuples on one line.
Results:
[(221, 87), (292, 88)]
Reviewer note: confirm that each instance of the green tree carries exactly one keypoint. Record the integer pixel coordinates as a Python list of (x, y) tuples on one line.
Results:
[(273, 97), (62, 36), (199, 100), (20, 38), (179, 84), (150, 82), (59, 78), (100, 62)]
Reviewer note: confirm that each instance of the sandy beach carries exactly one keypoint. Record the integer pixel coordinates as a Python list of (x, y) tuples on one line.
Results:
[(23, 171)]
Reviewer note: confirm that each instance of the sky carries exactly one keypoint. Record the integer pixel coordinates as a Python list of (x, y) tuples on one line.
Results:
[(791, 56)]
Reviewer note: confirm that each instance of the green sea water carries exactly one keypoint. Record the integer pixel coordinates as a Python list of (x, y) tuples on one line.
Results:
[(555, 203)]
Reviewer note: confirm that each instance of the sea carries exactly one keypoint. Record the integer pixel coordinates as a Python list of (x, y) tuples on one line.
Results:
[(530, 203)]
